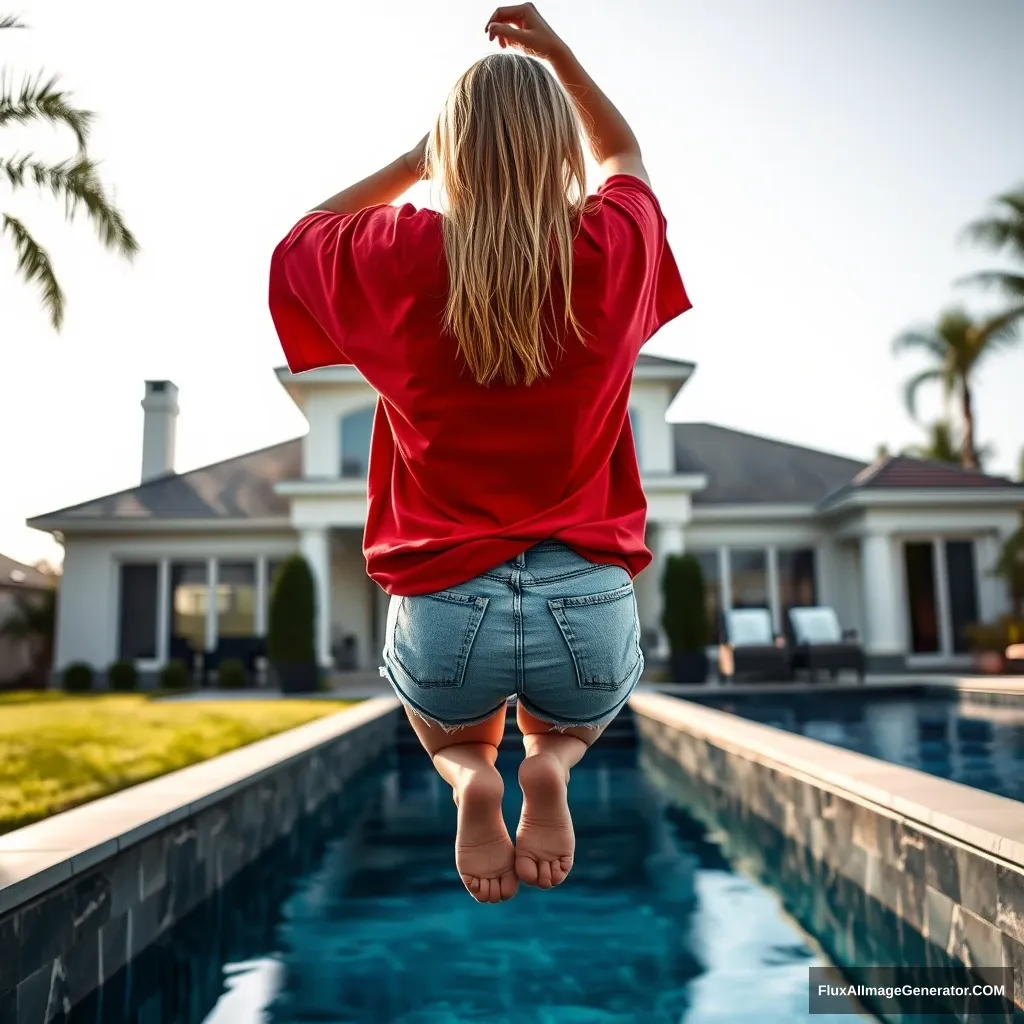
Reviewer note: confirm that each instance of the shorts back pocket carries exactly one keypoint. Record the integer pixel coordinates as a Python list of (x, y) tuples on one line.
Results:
[(602, 633), (433, 635)]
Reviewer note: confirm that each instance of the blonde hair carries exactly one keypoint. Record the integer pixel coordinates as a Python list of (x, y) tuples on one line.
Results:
[(507, 153)]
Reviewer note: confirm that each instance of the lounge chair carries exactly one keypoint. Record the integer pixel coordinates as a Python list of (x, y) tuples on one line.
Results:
[(820, 644), (751, 648)]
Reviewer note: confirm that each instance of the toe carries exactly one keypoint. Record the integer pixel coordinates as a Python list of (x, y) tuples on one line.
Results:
[(508, 885), (544, 874), (526, 870)]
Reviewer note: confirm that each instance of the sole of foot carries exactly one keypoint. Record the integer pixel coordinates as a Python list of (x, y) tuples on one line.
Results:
[(545, 841), (484, 855)]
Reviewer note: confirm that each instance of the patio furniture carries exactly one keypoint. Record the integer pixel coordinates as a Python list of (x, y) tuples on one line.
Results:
[(820, 644), (751, 647)]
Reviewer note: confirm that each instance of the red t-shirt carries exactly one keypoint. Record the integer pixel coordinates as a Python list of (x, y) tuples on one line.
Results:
[(463, 477)]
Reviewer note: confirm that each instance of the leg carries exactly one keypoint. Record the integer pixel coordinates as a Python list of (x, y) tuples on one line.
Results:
[(545, 842), (465, 760)]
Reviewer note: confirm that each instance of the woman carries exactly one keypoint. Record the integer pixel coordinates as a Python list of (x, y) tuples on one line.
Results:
[(505, 514)]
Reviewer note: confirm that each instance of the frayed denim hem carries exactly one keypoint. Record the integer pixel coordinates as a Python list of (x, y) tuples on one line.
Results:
[(560, 725), (414, 709)]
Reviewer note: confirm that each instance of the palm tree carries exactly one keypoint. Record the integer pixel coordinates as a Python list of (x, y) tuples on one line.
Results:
[(942, 446), (74, 181), (957, 345), (1003, 232)]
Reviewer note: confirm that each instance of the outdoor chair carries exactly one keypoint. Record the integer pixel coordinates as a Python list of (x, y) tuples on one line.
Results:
[(750, 647), (820, 644)]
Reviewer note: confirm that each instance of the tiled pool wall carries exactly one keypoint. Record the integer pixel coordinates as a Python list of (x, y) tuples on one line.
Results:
[(855, 862), (65, 941)]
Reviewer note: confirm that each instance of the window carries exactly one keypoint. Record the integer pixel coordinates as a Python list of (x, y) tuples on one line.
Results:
[(236, 599), (712, 592), (961, 580), (634, 426), (919, 561), (796, 579), (189, 600), (749, 571), (355, 442), (138, 595)]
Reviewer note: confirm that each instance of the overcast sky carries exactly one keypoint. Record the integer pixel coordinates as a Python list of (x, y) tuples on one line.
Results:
[(815, 160)]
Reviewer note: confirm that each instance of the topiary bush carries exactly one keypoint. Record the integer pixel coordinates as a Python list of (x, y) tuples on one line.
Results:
[(175, 676), (291, 622), (78, 677), (231, 675), (123, 677), (685, 616)]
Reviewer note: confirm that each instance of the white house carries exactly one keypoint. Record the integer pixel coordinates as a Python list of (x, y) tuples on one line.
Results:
[(901, 548)]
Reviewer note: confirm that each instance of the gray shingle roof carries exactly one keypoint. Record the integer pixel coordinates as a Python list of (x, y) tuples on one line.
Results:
[(238, 488), (746, 468), (17, 576)]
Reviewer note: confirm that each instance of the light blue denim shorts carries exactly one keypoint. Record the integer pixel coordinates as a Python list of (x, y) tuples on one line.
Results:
[(558, 632)]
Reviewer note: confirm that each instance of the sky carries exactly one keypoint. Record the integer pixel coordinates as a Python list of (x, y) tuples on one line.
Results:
[(815, 160)]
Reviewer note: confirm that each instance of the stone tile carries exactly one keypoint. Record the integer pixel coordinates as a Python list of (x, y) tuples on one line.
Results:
[(911, 853), (1010, 902), (978, 889), (910, 899), (938, 916), (1013, 957), (125, 880), (143, 924), (42, 995), (9, 928), (82, 967), (9, 1006), (113, 946), (976, 943), (24, 876), (941, 867), (865, 828)]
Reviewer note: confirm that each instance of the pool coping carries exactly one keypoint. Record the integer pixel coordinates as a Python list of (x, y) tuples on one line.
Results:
[(974, 817), (53, 851)]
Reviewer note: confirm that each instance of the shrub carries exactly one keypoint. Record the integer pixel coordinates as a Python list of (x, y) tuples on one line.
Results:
[(123, 677), (995, 636), (175, 676), (78, 677), (685, 618), (231, 675), (291, 614)]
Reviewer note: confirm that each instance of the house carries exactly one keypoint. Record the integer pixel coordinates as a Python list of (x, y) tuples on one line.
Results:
[(901, 548), (17, 583)]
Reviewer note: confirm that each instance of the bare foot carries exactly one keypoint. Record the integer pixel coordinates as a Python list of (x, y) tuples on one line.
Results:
[(483, 850), (545, 842)]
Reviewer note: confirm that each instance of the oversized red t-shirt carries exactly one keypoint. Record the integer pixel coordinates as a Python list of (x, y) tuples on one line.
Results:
[(463, 477)]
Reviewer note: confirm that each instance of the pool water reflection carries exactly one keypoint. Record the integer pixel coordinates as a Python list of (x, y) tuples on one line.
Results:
[(363, 920)]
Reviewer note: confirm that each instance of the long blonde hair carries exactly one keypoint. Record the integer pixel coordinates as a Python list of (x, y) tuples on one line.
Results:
[(507, 152)]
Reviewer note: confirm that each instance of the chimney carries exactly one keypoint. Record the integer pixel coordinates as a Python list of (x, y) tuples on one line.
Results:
[(159, 425)]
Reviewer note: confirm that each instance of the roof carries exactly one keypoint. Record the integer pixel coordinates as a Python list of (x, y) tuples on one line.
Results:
[(238, 488), (19, 576), (749, 469), (665, 362), (903, 471)]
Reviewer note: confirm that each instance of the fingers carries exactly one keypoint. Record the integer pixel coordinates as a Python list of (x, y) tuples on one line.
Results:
[(507, 33), (518, 14)]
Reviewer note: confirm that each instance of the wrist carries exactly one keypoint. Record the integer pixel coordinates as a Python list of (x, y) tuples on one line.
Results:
[(562, 60)]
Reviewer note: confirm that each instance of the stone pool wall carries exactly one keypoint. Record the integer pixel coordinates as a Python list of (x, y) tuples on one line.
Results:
[(944, 859), (70, 923)]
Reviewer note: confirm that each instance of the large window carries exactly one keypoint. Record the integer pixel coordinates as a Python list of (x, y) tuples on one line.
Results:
[(712, 592), (961, 579), (796, 579), (356, 428), (919, 561), (236, 599), (749, 570), (139, 585), (189, 601)]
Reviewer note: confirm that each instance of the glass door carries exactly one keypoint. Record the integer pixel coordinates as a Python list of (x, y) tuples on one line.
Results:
[(962, 581), (922, 606)]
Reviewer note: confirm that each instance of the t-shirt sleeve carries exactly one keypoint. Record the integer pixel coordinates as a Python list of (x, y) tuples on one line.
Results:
[(333, 282), (643, 270)]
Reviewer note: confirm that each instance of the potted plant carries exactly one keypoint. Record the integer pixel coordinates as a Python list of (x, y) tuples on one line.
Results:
[(290, 627), (685, 619), (989, 641)]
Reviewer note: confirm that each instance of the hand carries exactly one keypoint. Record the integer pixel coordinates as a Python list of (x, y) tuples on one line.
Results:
[(416, 158), (522, 28)]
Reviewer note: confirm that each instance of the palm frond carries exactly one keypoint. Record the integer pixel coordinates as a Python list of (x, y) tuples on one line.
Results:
[(1002, 329), (1004, 230), (42, 100), (35, 267), (920, 340), (915, 384), (1008, 283), (77, 182), (11, 21)]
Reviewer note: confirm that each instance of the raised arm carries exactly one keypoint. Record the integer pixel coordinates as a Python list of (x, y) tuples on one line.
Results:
[(612, 141), (381, 187)]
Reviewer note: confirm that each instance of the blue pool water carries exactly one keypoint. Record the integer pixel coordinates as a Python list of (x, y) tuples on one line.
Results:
[(368, 923), (978, 744)]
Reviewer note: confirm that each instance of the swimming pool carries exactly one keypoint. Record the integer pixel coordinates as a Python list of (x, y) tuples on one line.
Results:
[(978, 744), (364, 921)]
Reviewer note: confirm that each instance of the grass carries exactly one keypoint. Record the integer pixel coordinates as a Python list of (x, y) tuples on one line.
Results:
[(58, 751)]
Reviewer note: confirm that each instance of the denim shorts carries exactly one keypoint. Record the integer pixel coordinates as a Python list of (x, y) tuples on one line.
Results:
[(558, 632)]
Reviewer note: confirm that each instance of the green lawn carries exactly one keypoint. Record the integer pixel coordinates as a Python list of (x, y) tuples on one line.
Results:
[(57, 751)]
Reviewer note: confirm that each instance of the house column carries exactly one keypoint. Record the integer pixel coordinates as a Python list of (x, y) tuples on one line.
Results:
[(880, 594), (315, 547), (667, 540)]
